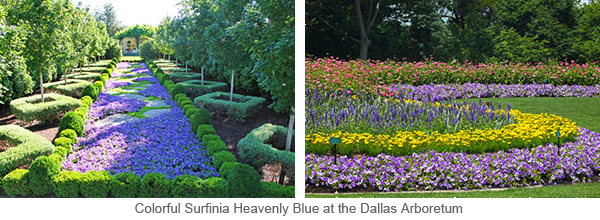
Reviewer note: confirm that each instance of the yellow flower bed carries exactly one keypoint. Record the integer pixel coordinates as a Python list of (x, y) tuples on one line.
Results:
[(530, 130)]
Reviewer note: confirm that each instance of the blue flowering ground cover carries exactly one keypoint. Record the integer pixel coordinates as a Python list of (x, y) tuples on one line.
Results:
[(163, 144)]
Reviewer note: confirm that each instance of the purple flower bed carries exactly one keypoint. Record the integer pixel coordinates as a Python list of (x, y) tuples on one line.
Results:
[(149, 79), (478, 90), (111, 84), (163, 144), (445, 171), (123, 65), (156, 90), (107, 105), (140, 70)]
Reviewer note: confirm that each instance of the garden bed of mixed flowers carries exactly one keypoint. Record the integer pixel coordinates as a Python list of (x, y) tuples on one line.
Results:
[(415, 136)]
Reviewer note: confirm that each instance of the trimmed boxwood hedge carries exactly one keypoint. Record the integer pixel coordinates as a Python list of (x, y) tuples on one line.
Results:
[(31, 108), (28, 147), (16, 183), (125, 185), (255, 150), (74, 87), (241, 108), (244, 182), (182, 76), (195, 87)]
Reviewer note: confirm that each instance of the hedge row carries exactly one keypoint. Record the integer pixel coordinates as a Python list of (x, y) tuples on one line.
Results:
[(26, 147), (240, 108), (197, 87), (73, 88), (32, 108), (265, 145)]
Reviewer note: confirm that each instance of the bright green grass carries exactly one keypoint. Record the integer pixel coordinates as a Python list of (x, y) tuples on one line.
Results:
[(585, 112), (587, 190), (132, 58), (140, 113)]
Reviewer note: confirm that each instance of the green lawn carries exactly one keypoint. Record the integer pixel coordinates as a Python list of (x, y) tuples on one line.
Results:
[(585, 112)]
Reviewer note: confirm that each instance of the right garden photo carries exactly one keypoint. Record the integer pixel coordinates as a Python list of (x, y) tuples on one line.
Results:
[(452, 99)]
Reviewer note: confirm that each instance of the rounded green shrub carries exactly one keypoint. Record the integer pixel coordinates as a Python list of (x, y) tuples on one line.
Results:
[(16, 183), (215, 187), (222, 157), (290, 192), (186, 186), (178, 96), (188, 107), (69, 133), (200, 118), (100, 79), (215, 146), (82, 111), (204, 130), (98, 85), (210, 137), (226, 169), (185, 102), (244, 182), (272, 190), (191, 111), (177, 89), (62, 152), (105, 78), (67, 184), (155, 185), (87, 100), (165, 78), (94, 184), (106, 71), (72, 120), (90, 91), (41, 172), (125, 185), (63, 143)]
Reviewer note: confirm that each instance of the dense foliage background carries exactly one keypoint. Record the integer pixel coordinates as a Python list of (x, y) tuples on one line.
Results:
[(448, 30)]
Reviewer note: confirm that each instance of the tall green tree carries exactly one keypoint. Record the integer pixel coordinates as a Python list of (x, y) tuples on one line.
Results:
[(108, 16)]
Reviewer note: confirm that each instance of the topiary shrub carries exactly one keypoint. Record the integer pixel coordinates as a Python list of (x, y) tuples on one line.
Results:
[(41, 172), (165, 78), (213, 147), (125, 185), (105, 78), (240, 108), (91, 92), (16, 183), (155, 185), (100, 79), (191, 111), (204, 130), (210, 137), (87, 100), (226, 168), (290, 192), (185, 102), (67, 184), (31, 108), (215, 187), (196, 88), (188, 107), (272, 190), (222, 157), (200, 118), (69, 133), (98, 85), (244, 182), (27, 146), (186, 186), (94, 184), (74, 121), (178, 96), (177, 89), (63, 143), (73, 88), (82, 111)]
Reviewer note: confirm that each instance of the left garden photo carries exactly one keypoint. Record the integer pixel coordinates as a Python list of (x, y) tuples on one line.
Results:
[(184, 100)]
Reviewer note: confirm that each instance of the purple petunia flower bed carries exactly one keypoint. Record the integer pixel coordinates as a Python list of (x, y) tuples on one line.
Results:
[(156, 90), (107, 105), (111, 84), (149, 79), (478, 90), (577, 162), (163, 144)]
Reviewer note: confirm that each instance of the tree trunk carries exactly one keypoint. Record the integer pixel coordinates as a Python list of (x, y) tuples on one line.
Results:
[(364, 47), (202, 74), (288, 141), (80, 68), (186, 67), (42, 84), (231, 94)]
